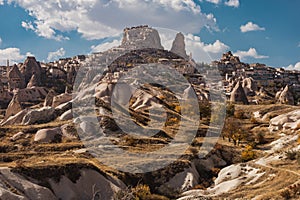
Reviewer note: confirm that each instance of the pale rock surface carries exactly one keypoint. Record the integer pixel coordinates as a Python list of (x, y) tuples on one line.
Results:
[(178, 46), (288, 121), (60, 99), (250, 86), (90, 183), (33, 82), (68, 115), (15, 78), (141, 37), (41, 115), (30, 67), (286, 96), (24, 188), (14, 107), (48, 135)]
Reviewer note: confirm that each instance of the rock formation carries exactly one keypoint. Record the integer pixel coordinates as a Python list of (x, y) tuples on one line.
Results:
[(238, 94), (178, 46), (285, 96), (250, 86), (38, 116), (141, 37), (48, 135), (30, 67), (60, 99), (14, 107), (228, 57), (33, 82), (49, 98), (15, 78)]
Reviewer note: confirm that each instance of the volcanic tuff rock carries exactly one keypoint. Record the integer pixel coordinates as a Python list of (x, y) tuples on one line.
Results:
[(250, 86), (16, 78), (14, 107), (238, 94), (33, 82), (178, 46), (141, 37), (30, 67), (285, 96)]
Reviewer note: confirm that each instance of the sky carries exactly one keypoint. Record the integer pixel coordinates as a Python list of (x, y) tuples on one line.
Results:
[(265, 31)]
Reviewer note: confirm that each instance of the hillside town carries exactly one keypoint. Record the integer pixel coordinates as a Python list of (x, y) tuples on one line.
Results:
[(66, 131)]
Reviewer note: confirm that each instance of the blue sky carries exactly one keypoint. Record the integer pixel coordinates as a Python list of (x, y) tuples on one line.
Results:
[(265, 31)]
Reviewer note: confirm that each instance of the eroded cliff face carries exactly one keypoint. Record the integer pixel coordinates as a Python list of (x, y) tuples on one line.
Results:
[(141, 37)]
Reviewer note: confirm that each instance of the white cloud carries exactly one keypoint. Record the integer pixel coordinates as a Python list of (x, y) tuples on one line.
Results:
[(0, 40), (12, 54), (28, 25), (294, 67), (1, 2), (105, 46), (250, 26), (56, 54), (95, 19), (214, 1), (251, 53), (205, 52), (233, 3)]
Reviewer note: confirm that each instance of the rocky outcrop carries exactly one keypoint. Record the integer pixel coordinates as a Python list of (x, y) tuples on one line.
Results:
[(285, 96), (250, 86), (33, 82), (141, 37), (16, 78), (238, 94), (38, 116), (49, 98), (61, 184), (60, 99), (15, 119), (31, 67), (35, 94), (14, 107), (228, 57), (288, 121), (178, 46)]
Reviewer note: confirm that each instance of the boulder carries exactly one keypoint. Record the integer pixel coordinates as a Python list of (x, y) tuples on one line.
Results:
[(238, 94), (37, 116), (48, 135), (68, 115)]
